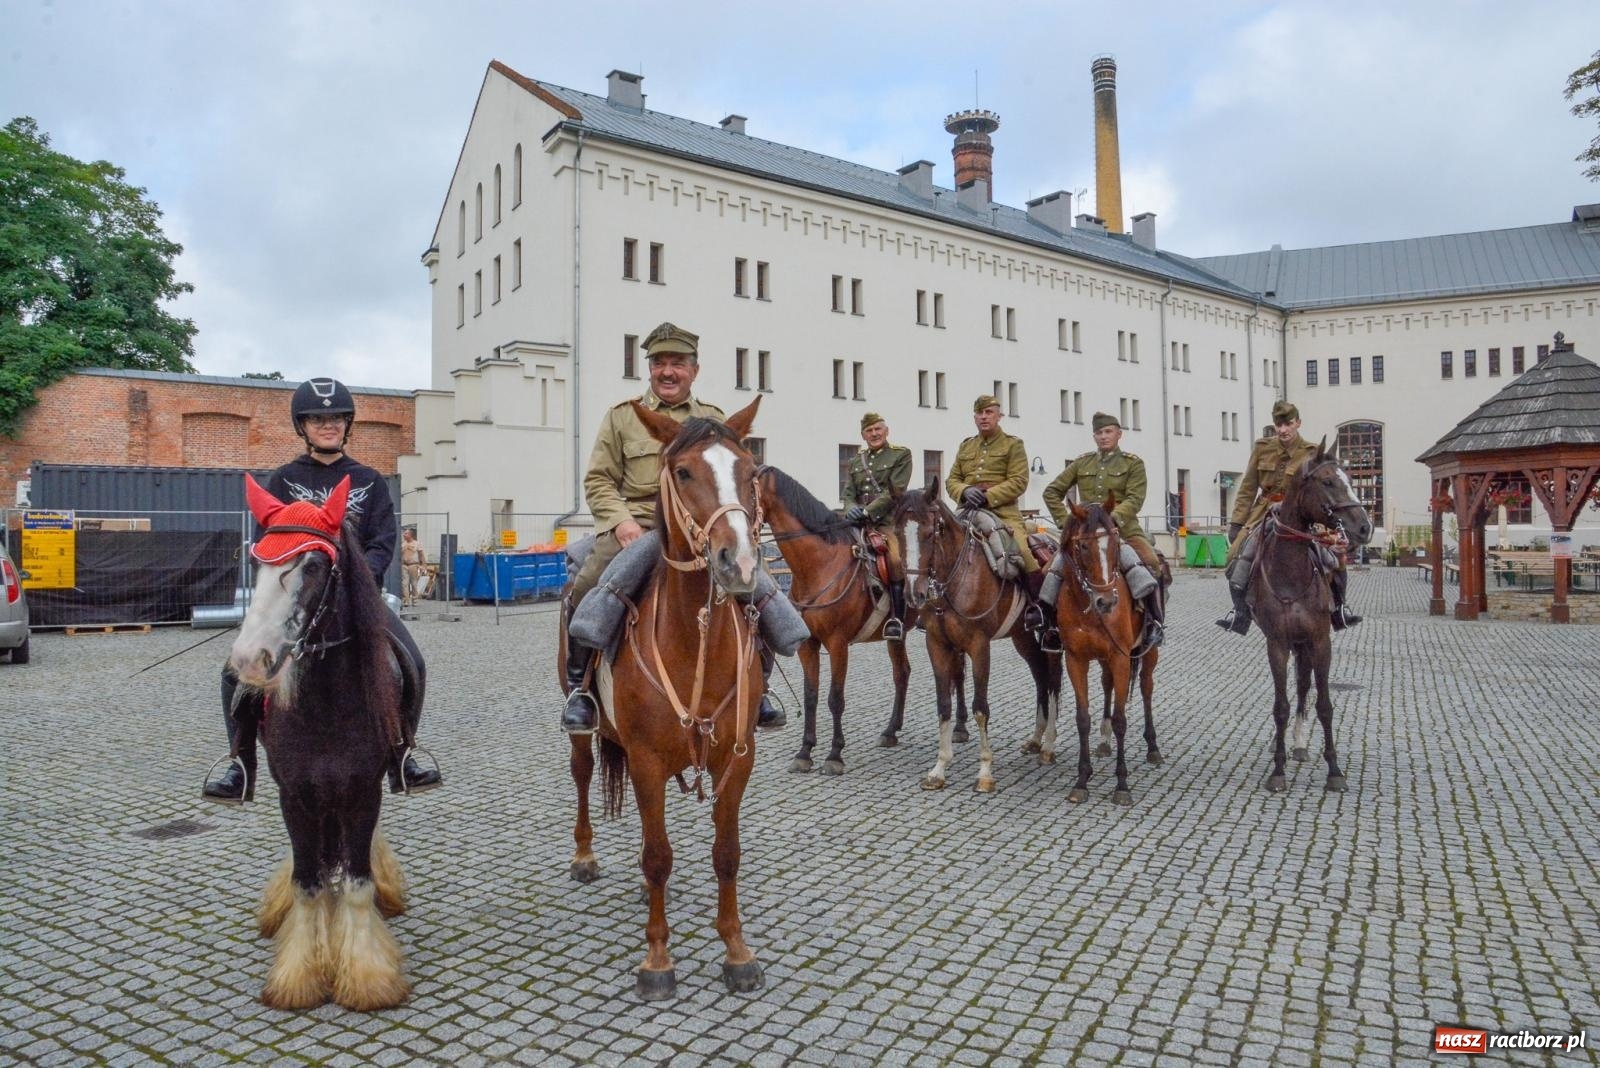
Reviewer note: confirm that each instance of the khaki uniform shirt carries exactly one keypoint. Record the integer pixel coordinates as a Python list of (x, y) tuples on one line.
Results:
[(1095, 474), (998, 465), (1267, 475), (877, 479), (625, 464)]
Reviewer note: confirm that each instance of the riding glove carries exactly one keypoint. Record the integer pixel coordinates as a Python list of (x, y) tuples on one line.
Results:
[(973, 497), (1233, 530), (856, 514)]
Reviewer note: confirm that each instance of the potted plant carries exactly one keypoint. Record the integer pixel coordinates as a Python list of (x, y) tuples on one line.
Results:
[(1391, 554)]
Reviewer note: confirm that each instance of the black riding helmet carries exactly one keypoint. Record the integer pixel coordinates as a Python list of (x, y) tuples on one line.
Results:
[(322, 396)]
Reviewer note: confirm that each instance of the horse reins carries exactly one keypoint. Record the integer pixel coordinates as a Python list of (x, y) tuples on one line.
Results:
[(938, 589), (1278, 528), (1089, 589), (301, 646)]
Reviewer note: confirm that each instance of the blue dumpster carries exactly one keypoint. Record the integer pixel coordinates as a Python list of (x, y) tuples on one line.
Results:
[(514, 576)]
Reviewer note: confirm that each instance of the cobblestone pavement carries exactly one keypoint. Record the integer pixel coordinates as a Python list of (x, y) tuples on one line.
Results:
[(1209, 923)]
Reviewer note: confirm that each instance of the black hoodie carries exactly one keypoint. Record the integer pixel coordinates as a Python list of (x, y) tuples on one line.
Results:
[(369, 507)]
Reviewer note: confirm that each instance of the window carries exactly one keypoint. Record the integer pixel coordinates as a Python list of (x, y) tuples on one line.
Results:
[(1377, 368), (1355, 370), (1185, 356), (1469, 363), (1122, 346), (1077, 408), (1522, 511), (1066, 406), (932, 466), (938, 389), (994, 320), (1235, 426), (1063, 337), (1224, 426), (761, 281), (461, 229), (846, 454), (996, 390), (1445, 369), (1011, 399), (738, 277), (1174, 355), (497, 194), (1077, 336), (477, 293), (494, 291), (1233, 366), (838, 379), (1541, 354), (922, 389), (516, 264), (1222, 359), (1011, 324), (741, 358), (857, 307), (1133, 348), (1311, 372), (461, 305), (1177, 422), (1136, 425), (657, 255), (1333, 371), (1188, 423), (630, 248), (477, 214), (858, 381), (1518, 364), (516, 177), (764, 370), (938, 314), (1494, 363), (1122, 411), (757, 448), (1361, 456), (922, 307), (838, 292), (630, 355)]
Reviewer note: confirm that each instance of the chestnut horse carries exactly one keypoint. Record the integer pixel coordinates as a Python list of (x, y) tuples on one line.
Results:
[(1291, 600), (315, 645), (963, 606), (683, 691)]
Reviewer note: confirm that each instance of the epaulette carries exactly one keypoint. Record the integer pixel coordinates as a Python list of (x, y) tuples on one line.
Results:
[(974, 437), (1090, 455), (1131, 456)]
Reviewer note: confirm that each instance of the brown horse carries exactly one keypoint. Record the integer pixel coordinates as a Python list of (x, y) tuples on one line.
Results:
[(963, 607), (683, 691), (830, 589), (1291, 601)]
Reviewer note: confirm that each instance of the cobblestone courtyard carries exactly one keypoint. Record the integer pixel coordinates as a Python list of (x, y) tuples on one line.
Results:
[(1455, 882)]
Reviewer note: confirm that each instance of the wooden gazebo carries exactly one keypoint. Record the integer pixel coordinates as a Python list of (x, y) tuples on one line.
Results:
[(1542, 433)]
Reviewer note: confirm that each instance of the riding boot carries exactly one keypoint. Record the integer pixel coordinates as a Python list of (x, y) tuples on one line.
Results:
[(1237, 620), (894, 628), (228, 789), (580, 714), (1341, 616), (241, 715), (1039, 616), (417, 778), (771, 716), (1155, 620)]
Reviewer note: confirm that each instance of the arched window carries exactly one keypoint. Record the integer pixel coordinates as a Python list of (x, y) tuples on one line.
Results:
[(1361, 456), (497, 194), (516, 177), (461, 229), (477, 218)]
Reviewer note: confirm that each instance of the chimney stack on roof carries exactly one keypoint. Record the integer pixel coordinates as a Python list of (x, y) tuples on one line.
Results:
[(1090, 223), (733, 124), (917, 179), (625, 90), (973, 151), (1052, 211), (1107, 157), (1144, 230)]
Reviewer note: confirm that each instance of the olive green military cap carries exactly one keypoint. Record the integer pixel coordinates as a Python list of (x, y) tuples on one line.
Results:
[(870, 418), (985, 400), (1284, 412), (1102, 420), (669, 338)]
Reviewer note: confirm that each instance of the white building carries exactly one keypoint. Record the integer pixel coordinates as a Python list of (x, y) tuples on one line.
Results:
[(575, 223)]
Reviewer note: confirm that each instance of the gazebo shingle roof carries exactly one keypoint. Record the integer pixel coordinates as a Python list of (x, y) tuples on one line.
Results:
[(1557, 402)]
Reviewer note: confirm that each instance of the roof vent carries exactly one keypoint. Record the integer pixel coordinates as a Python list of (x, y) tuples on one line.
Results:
[(1587, 216), (625, 89), (733, 124)]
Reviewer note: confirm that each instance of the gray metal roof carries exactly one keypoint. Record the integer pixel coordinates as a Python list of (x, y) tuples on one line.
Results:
[(1527, 257), (1556, 402), (219, 380), (698, 141)]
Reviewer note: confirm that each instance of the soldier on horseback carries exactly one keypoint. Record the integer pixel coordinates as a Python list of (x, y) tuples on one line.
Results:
[(879, 474), (1110, 470), (620, 487), (323, 410), (1273, 461)]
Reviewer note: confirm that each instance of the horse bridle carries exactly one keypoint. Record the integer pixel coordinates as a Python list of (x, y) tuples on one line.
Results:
[(1281, 529), (1081, 574), (936, 589), (301, 646), (699, 536)]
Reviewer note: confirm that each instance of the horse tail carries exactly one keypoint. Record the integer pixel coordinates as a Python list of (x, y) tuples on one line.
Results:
[(613, 776)]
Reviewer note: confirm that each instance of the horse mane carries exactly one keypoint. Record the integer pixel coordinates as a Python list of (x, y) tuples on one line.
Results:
[(366, 624), (695, 430), (815, 516)]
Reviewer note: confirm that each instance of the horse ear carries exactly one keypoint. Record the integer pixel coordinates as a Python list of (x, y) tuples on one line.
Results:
[(338, 497), (1078, 512), (931, 490), (1110, 501), (661, 427), (740, 421), (263, 505), (1322, 447)]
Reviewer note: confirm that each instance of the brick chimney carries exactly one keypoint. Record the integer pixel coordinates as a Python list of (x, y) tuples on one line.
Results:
[(1107, 156), (973, 151)]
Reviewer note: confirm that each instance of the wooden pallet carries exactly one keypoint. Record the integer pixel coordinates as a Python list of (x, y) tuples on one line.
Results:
[(112, 628)]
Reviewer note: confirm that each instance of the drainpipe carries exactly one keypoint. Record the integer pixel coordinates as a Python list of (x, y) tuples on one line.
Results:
[(1166, 431), (577, 363), (1250, 365)]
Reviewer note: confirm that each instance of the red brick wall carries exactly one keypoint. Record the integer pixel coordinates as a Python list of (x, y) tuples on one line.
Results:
[(99, 419)]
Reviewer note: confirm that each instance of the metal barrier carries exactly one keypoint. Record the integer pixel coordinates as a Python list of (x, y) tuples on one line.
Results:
[(517, 572), (436, 581)]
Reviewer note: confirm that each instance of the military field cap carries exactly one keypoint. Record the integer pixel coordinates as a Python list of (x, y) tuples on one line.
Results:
[(1284, 412), (1102, 420), (985, 400), (870, 418), (668, 338)]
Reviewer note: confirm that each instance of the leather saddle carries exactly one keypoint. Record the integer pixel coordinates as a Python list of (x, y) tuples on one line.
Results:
[(874, 549)]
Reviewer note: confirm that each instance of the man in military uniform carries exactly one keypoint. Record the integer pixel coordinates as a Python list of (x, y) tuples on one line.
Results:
[(879, 474), (1273, 461), (620, 487), (991, 471), (1110, 470)]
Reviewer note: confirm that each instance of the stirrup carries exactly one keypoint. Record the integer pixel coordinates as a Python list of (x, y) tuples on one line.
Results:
[(1033, 616), (249, 793), (1150, 638), (1050, 640), (1342, 617), (894, 630), (406, 789), (585, 697), (780, 716)]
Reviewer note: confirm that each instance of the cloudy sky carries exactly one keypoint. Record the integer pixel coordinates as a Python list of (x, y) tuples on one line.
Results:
[(300, 150)]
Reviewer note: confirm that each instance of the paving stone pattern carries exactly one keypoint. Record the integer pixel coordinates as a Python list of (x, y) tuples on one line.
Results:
[(1210, 923)]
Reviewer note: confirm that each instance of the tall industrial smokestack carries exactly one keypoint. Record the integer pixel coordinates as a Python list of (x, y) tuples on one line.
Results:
[(1107, 158), (973, 151)]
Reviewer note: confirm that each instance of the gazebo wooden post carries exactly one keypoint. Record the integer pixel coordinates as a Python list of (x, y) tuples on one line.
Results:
[(1436, 602), (1560, 611), (1480, 541), (1471, 552)]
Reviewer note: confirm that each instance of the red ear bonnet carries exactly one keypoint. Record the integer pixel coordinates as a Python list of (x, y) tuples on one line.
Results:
[(314, 527)]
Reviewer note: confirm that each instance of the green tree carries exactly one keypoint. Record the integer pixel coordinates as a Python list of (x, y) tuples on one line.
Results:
[(1587, 78), (84, 272)]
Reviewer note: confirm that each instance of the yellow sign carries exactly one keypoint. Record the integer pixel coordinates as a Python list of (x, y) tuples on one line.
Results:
[(49, 551), (508, 539), (560, 538)]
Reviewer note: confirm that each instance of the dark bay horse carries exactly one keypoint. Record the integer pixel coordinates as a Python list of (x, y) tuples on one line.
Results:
[(830, 589), (314, 644), (683, 691), (1099, 623), (963, 606), (1291, 601)]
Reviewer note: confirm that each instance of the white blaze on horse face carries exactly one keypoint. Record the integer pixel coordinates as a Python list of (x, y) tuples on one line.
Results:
[(722, 461), (263, 634), (1103, 543)]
